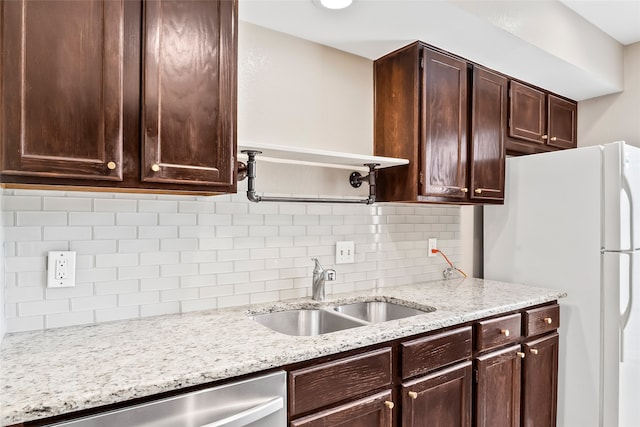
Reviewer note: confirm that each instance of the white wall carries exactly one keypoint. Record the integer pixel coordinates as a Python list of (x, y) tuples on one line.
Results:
[(144, 255), (614, 117)]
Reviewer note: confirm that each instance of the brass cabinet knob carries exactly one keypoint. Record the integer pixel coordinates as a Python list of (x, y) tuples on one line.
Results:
[(553, 138), (548, 320), (545, 137), (520, 355), (505, 332), (534, 351), (155, 167), (478, 191), (413, 395), (111, 165), (389, 404), (464, 189)]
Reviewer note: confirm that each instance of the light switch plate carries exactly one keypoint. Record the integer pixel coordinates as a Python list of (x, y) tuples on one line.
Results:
[(345, 252), (61, 269)]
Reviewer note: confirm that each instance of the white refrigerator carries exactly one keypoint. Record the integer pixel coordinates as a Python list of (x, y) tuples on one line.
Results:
[(571, 221)]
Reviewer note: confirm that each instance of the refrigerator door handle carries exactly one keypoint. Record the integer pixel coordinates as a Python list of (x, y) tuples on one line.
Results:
[(632, 235), (626, 313)]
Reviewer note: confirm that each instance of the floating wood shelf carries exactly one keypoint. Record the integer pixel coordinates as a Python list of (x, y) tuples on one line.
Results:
[(315, 157)]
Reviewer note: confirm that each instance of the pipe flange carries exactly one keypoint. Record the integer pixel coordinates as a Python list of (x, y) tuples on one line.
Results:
[(355, 179)]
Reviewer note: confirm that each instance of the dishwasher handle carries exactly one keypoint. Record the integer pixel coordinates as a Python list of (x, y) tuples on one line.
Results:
[(250, 415)]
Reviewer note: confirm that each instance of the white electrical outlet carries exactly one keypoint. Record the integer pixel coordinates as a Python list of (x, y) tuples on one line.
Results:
[(345, 252), (433, 244), (61, 269)]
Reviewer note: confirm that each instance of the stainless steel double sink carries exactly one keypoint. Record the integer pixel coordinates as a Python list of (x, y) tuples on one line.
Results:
[(318, 321)]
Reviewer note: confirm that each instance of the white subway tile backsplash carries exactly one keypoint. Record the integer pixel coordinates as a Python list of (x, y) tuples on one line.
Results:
[(67, 204), (138, 218), (164, 206), (92, 218), (25, 219), (22, 234), (143, 255), (118, 313), (199, 304), (94, 302), (21, 203), (116, 260), (67, 233), (139, 298), (34, 308), (89, 275), (160, 309)]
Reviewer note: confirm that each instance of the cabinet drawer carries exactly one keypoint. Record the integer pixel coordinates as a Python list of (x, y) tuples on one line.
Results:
[(496, 332), (321, 385), (426, 354), (370, 411), (540, 320)]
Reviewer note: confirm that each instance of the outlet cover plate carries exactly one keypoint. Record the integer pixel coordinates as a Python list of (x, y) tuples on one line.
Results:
[(345, 252), (433, 244), (61, 269)]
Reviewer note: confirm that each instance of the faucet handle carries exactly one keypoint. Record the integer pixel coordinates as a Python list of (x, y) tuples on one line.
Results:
[(330, 275), (317, 267)]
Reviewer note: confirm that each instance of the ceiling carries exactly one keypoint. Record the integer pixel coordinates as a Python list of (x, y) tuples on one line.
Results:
[(483, 31), (618, 18)]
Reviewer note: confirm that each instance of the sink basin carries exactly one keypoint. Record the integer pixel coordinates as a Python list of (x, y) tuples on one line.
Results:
[(306, 321), (379, 311)]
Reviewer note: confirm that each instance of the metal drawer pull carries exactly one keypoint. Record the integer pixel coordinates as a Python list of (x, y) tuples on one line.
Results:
[(155, 167), (389, 404), (487, 190), (464, 189), (534, 351), (111, 165), (553, 138), (520, 355), (548, 320), (505, 332), (545, 137), (251, 415), (413, 395)]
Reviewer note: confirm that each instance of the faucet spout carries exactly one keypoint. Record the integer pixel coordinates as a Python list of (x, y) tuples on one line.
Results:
[(320, 275)]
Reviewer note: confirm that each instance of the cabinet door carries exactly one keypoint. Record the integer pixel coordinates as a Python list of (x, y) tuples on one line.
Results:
[(440, 399), (563, 122), (444, 127), (498, 389), (527, 114), (488, 124), (189, 94), (373, 411), (62, 98), (540, 382)]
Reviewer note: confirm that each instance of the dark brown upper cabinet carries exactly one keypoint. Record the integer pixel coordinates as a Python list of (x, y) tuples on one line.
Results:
[(425, 102), (488, 124), (125, 95), (540, 121), (62, 91)]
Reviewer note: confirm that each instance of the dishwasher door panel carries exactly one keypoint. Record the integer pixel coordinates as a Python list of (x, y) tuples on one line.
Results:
[(254, 402)]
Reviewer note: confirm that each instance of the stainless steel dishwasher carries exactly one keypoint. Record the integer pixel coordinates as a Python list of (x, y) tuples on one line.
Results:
[(255, 402)]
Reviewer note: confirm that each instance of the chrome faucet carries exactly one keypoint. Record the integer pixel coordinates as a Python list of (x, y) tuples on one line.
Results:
[(320, 275)]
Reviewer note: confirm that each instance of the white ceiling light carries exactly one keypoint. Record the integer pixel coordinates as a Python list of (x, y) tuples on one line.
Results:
[(336, 4)]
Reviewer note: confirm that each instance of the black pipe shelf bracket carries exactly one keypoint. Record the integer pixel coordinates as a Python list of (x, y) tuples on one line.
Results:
[(372, 163)]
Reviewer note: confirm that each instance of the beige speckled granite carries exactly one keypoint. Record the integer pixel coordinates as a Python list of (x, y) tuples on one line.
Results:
[(51, 372)]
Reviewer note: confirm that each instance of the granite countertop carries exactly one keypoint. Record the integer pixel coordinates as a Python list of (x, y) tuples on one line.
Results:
[(51, 372)]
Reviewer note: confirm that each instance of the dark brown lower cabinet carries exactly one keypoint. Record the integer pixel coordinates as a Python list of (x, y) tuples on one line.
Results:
[(500, 371), (372, 411), (441, 399), (540, 382), (498, 388)]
